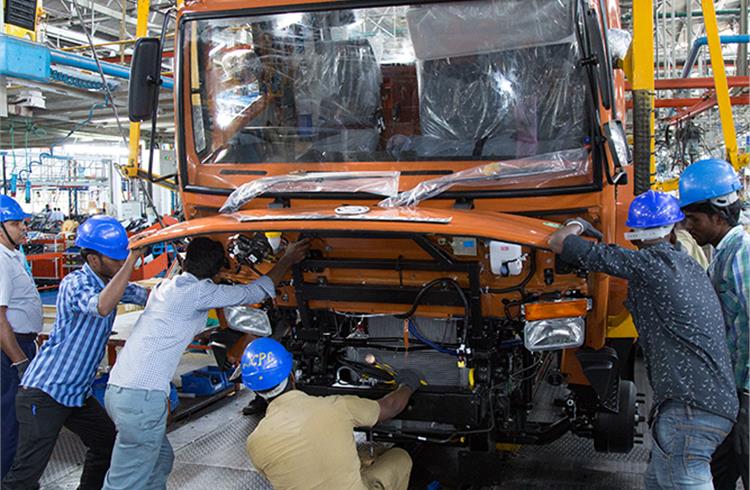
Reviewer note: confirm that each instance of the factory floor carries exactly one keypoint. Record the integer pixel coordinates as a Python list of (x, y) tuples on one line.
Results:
[(210, 453)]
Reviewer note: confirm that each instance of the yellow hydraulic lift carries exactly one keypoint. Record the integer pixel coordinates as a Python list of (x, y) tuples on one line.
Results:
[(639, 68)]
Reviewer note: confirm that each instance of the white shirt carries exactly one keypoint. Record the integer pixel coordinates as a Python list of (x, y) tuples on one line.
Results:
[(18, 292), (177, 310)]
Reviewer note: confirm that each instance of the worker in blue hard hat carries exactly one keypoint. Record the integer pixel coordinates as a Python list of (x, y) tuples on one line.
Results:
[(20, 319), (709, 196), (306, 441), (678, 317), (56, 388)]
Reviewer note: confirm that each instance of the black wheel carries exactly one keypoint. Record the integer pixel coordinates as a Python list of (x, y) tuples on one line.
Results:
[(615, 432)]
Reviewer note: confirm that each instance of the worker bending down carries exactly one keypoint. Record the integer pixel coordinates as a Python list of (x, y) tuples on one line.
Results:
[(307, 442), (138, 387), (710, 200), (680, 327)]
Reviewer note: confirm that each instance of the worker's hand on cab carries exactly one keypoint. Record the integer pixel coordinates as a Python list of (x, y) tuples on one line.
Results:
[(142, 235), (409, 377), (135, 254), (587, 229), (296, 251)]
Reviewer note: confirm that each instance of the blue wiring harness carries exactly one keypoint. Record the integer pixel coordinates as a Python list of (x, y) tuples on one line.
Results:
[(417, 333)]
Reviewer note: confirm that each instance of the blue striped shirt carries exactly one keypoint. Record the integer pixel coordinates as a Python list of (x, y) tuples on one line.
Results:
[(66, 364), (730, 273)]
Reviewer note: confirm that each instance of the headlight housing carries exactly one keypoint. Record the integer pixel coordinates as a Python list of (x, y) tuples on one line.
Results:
[(250, 320), (554, 334), (618, 143)]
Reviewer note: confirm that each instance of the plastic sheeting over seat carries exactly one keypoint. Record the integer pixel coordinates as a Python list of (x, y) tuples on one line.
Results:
[(340, 90), (519, 93)]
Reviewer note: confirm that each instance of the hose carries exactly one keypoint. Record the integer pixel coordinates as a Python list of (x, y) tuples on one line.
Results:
[(416, 332)]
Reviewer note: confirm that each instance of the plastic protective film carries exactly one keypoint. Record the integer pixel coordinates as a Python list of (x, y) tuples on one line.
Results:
[(496, 81), (532, 172), (379, 183), (619, 43), (399, 215), (293, 96), (483, 80), (449, 30)]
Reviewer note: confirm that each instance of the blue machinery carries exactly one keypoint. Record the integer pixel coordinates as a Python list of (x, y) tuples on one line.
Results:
[(32, 61), (703, 41)]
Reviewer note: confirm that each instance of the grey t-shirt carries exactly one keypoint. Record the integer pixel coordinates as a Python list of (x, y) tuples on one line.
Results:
[(678, 318)]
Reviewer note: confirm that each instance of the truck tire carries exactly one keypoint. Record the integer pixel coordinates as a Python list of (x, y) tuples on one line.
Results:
[(615, 432)]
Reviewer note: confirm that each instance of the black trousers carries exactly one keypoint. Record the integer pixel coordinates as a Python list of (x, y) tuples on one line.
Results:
[(40, 419), (731, 459)]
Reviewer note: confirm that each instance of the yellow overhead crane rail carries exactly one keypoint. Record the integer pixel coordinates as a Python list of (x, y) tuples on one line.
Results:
[(639, 69)]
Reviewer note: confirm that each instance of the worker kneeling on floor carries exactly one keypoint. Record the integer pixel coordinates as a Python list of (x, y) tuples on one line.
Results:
[(307, 442), (681, 330)]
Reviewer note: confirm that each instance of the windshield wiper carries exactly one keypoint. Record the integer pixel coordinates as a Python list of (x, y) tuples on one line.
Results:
[(378, 183), (566, 163)]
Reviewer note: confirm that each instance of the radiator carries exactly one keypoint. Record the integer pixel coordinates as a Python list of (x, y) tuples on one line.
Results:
[(439, 369)]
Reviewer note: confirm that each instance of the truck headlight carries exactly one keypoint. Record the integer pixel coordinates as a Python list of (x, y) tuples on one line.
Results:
[(554, 334)]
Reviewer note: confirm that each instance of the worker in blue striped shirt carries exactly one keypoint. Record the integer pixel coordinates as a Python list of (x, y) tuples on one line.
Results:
[(709, 196), (56, 388)]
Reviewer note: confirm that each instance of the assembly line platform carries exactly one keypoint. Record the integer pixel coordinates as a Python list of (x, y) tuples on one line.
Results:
[(210, 453)]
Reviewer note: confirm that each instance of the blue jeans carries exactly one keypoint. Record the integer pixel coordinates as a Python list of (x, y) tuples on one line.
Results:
[(9, 385), (684, 438), (142, 457)]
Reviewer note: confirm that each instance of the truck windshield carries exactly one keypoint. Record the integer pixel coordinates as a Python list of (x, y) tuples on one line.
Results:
[(476, 80)]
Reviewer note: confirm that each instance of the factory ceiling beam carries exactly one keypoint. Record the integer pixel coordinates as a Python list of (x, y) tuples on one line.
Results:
[(75, 36), (112, 13), (66, 27)]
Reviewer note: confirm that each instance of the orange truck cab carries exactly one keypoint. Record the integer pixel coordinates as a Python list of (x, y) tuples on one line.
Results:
[(428, 149)]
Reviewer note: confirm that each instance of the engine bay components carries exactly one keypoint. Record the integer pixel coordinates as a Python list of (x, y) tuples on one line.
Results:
[(506, 259), (249, 250), (464, 246)]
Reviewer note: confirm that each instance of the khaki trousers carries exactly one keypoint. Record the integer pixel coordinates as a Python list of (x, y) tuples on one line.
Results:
[(389, 471)]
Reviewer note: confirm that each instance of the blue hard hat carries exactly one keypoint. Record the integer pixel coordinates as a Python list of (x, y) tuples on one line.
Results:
[(10, 210), (654, 209), (265, 364), (105, 235), (707, 179)]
